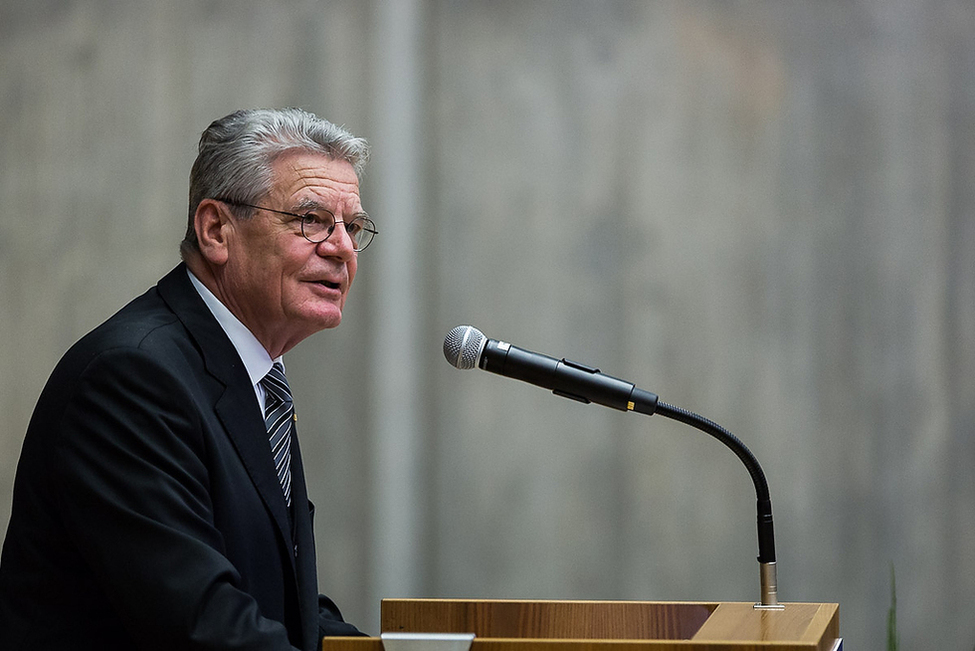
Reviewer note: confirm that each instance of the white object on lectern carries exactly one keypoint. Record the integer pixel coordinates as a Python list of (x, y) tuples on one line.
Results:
[(427, 641)]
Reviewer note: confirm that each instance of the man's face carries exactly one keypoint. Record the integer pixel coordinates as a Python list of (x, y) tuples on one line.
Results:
[(281, 286)]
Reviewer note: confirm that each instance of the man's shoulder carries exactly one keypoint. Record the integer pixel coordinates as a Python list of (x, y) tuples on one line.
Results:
[(167, 332), (144, 321), (149, 325)]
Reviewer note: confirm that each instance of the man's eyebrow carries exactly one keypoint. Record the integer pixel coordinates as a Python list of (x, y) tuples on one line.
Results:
[(308, 204)]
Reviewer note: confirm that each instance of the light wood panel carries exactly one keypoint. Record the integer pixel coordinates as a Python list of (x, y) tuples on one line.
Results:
[(591, 620)]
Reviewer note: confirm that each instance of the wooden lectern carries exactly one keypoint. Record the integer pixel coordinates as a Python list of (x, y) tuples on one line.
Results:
[(514, 625)]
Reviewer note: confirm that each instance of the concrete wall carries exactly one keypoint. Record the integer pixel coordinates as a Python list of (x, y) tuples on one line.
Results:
[(762, 211)]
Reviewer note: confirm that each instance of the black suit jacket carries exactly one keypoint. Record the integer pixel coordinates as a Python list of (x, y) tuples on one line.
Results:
[(146, 511)]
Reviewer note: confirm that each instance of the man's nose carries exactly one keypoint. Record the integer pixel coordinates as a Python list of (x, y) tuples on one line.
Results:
[(338, 243)]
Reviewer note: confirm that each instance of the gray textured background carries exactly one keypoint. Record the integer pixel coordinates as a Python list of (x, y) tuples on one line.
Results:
[(763, 211)]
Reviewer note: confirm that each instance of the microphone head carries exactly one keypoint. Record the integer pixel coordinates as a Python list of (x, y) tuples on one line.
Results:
[(463, 345)]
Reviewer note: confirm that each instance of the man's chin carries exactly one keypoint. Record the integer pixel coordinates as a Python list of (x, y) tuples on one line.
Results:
[(329, 318)]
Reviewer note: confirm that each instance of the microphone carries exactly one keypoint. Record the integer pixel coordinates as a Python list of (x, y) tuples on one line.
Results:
[(466, 347)]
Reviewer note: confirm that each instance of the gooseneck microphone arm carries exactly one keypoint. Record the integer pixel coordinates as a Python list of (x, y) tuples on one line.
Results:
[(466, 347), (766, 534)]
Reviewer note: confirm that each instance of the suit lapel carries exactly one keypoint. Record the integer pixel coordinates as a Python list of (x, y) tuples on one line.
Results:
[(236, 407), (244, 424)]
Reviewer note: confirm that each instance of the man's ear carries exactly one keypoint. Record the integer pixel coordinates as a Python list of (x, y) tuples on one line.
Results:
[(212, 224)]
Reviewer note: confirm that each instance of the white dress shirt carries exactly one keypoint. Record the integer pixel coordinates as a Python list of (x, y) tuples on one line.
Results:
[(256, 360)]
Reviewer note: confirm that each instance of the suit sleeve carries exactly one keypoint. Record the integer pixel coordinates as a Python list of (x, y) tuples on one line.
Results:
[(132, 485), (330, 622)]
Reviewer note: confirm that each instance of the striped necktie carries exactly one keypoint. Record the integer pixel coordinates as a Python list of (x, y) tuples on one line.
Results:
[(279, 414)]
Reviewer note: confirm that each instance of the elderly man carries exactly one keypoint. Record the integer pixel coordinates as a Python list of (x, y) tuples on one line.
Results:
[(160, 499)]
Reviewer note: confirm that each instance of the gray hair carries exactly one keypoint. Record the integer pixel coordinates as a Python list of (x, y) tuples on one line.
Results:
[(236, 153)]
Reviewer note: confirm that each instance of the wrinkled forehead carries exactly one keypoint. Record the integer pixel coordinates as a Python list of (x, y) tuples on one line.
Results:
[(315, 180)]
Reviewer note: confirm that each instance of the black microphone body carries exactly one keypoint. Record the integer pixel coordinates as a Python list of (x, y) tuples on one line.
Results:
[(564, 377)]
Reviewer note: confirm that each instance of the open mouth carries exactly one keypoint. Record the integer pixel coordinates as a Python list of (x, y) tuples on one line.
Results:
[(328, 284)]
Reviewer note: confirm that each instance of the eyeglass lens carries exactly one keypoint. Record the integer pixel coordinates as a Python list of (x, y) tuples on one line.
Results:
[(318, 228)]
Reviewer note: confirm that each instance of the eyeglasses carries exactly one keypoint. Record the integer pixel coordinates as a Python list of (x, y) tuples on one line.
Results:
[(317, 226)]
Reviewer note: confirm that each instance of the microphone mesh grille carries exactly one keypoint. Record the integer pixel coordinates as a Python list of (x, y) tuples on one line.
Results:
[(462, 346)]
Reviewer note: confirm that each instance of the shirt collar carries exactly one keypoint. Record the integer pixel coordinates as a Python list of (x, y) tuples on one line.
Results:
[(256, 360)]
